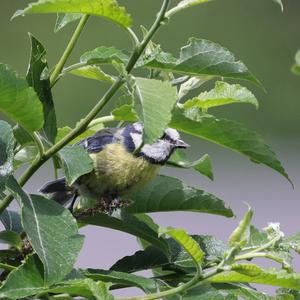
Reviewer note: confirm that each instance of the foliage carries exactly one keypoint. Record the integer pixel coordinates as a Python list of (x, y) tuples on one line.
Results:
[(42, 237)]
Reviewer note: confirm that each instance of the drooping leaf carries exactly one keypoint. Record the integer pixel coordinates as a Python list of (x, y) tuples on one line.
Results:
[(104, 55), (52, 232), (202, 57), (183, 5), (64, 19), (156, 101), (7, 143), (86, 288), (125, 113), (92, 72), (11, 220), (241, 234), (104, 8), (119, 220), (203, 165), (190, 84), (223, 93), (230, 134), (186, 241), (41, 84), (170, 194), (25, 155), (152, 257), (253, 274), (121, 278), (19, 101), (11, 238), (70, 156), (24, 281)]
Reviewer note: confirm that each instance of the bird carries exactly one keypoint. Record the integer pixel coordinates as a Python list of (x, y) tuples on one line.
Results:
[(122, 164)]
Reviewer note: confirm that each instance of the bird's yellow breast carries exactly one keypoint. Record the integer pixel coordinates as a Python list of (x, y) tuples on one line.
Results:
[(115, 169)]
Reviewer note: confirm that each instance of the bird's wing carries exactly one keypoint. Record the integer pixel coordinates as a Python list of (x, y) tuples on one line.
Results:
[(96, 142)]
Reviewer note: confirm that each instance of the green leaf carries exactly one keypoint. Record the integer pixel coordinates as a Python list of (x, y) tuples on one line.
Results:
[(11, 220), (24, 281), (153, 258), (222, 94), (292, 242), (70, 156), (11, 238), (257, 238), (7, 143), (150, 258), (227, 133), (156, 101), (253, 274), (125, 113), (104, 8), (64, 19), (25, 155), (104, 55), (186, 241), (52, 231), (83, 287), (203, 165), (19, 101), (128, 280), (92, 72), (202, 57), (41, 84), (22, 136), (225, 291), (241, 235), (170, 194), (119, 220)]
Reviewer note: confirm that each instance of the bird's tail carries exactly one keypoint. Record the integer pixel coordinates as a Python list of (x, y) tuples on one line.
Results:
[(58, 190)]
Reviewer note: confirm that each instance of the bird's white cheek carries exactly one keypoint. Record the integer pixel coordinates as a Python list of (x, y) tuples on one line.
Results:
[(137, 139)]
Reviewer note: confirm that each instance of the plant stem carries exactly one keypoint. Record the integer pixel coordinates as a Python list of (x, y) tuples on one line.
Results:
[(258, 254), (83, 124), (38, 143), (68, 50), (7, 267)]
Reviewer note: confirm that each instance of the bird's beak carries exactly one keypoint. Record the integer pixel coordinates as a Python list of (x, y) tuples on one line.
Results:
[(182, 144)]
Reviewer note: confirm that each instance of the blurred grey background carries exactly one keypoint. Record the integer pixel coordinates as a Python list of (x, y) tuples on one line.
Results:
[(259, 34)]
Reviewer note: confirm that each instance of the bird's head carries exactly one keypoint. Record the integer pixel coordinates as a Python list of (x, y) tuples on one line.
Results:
[(160, 151)]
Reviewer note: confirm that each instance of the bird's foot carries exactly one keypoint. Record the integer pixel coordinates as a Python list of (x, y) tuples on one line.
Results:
[(114, 204), (107, 206)]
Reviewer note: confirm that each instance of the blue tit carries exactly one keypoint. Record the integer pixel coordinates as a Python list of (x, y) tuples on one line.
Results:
[(121, 164)]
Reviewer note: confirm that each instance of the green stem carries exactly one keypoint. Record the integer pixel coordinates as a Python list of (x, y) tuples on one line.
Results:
[(258, 254), (7, 267), (38, 143), (58, 68), (100, 120), (265, 246), (83, 124)]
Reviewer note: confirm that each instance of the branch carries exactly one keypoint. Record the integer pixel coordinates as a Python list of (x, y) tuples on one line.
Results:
[(58, 68), (83, 124)]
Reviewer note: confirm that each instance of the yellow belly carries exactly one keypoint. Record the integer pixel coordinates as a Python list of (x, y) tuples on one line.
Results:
[(118, 171)]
